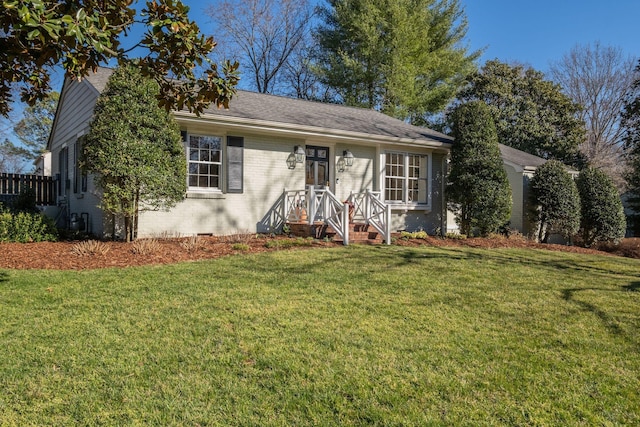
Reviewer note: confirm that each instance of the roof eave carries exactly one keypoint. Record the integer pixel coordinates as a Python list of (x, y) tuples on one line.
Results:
[(306, 131)]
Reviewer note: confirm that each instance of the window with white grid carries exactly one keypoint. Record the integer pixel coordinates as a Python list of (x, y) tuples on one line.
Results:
[(205, 162), (406, 179)]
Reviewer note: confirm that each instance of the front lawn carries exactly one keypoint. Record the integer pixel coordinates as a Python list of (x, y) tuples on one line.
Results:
[(345, 336)]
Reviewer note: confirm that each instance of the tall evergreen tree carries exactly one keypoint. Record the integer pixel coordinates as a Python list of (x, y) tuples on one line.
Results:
[(403, 57), (478, 191), (601, 215), (531, 113), (555, 201), (134, 149), (631, 123)]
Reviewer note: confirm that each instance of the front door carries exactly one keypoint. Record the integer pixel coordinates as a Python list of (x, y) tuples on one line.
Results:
[(317, 166)]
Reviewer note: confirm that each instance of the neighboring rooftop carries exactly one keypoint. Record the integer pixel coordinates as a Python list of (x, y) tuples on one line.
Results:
[(520, 158)]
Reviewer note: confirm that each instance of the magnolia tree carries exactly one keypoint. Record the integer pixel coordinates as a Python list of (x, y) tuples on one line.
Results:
[(37, 36), (554, 200), (134, 150), (531, 113), (478, 190)]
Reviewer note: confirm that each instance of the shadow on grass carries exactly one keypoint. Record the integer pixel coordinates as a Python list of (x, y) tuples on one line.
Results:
[(607, 321), (633, 287), (4, 276)]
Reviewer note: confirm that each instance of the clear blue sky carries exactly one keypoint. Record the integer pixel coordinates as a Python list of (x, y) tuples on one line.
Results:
[(533, 32), (539, 32)]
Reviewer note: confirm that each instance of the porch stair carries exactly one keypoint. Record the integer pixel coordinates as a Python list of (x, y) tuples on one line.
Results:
[(358, 232)]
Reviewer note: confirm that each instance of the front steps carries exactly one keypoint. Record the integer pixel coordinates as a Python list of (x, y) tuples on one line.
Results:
[(358, 233)]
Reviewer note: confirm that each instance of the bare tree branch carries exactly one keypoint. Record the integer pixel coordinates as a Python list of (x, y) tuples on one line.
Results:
[(263, 35), (599, 78)]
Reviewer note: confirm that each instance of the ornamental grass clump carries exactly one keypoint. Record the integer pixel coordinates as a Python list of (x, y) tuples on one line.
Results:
[(191, 243), (145, 246), (90, 247)]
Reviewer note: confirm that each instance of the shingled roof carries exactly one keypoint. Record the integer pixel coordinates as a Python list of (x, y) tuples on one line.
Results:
[(520, 158), (308, 114)]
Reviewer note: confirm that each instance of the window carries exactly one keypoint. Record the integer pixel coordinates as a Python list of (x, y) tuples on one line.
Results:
[(63, 168), (406, 179), (204, 157), (79, 176)]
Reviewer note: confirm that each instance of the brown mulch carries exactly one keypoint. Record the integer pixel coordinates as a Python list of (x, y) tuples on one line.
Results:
[(61, 256)]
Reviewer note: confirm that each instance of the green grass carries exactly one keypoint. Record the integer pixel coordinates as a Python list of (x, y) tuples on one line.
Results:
[(345, 336)]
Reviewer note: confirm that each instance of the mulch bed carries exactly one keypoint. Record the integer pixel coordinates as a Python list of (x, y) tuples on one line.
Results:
[(61, 256)]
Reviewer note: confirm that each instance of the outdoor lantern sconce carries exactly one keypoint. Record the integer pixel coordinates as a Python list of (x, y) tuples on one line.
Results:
[(348, 158), (298, 151), (346, 161), (291, 161)]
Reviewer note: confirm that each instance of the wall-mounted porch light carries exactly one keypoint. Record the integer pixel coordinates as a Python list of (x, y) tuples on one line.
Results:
[(298, 151), (291, 161), (348, 158)]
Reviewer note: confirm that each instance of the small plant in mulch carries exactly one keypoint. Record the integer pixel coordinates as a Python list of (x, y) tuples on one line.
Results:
[(240, 247), (191, 243), (145, 246), (414, 235), (239, 237), (456, 236), (90, 247)]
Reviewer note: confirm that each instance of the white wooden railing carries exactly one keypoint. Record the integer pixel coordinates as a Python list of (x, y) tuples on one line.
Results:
[(369, 207), (321, 205), (325, 207)]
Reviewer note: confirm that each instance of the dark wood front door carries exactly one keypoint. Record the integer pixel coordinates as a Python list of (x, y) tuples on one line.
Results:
[(317, 166)]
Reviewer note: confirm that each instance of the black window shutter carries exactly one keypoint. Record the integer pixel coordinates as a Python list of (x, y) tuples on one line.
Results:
[(235, 160)]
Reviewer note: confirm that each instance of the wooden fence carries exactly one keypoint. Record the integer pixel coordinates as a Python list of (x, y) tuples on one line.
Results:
[(12, 184)]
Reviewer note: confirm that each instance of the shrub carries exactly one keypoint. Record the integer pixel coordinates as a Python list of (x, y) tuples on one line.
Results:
[(602, 214), (24, 227), (554, 200), (478, 190), (240, 247), (26, 201), (414, 235), (456, 236)]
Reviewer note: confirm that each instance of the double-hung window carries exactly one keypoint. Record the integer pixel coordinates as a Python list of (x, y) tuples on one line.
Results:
[(205, 162), (406, 179)]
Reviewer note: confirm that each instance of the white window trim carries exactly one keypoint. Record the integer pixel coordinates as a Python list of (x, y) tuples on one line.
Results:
[(404, 205), (208, 190)]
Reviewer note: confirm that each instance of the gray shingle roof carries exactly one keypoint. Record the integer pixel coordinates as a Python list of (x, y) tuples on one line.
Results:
[(290, 111), (520, 158), (278, 109)]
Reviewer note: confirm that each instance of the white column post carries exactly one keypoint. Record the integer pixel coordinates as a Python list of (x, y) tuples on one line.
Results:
[(387, 234), (311, 204), (345, 224)]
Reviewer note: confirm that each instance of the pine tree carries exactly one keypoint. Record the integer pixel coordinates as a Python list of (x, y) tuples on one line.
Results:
[(478, 190), (403, 57)]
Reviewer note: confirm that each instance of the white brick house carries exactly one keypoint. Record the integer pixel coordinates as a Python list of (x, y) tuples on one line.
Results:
[(242, 164)]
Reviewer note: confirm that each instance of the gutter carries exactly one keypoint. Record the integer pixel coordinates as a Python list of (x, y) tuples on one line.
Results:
[(309, 131)]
